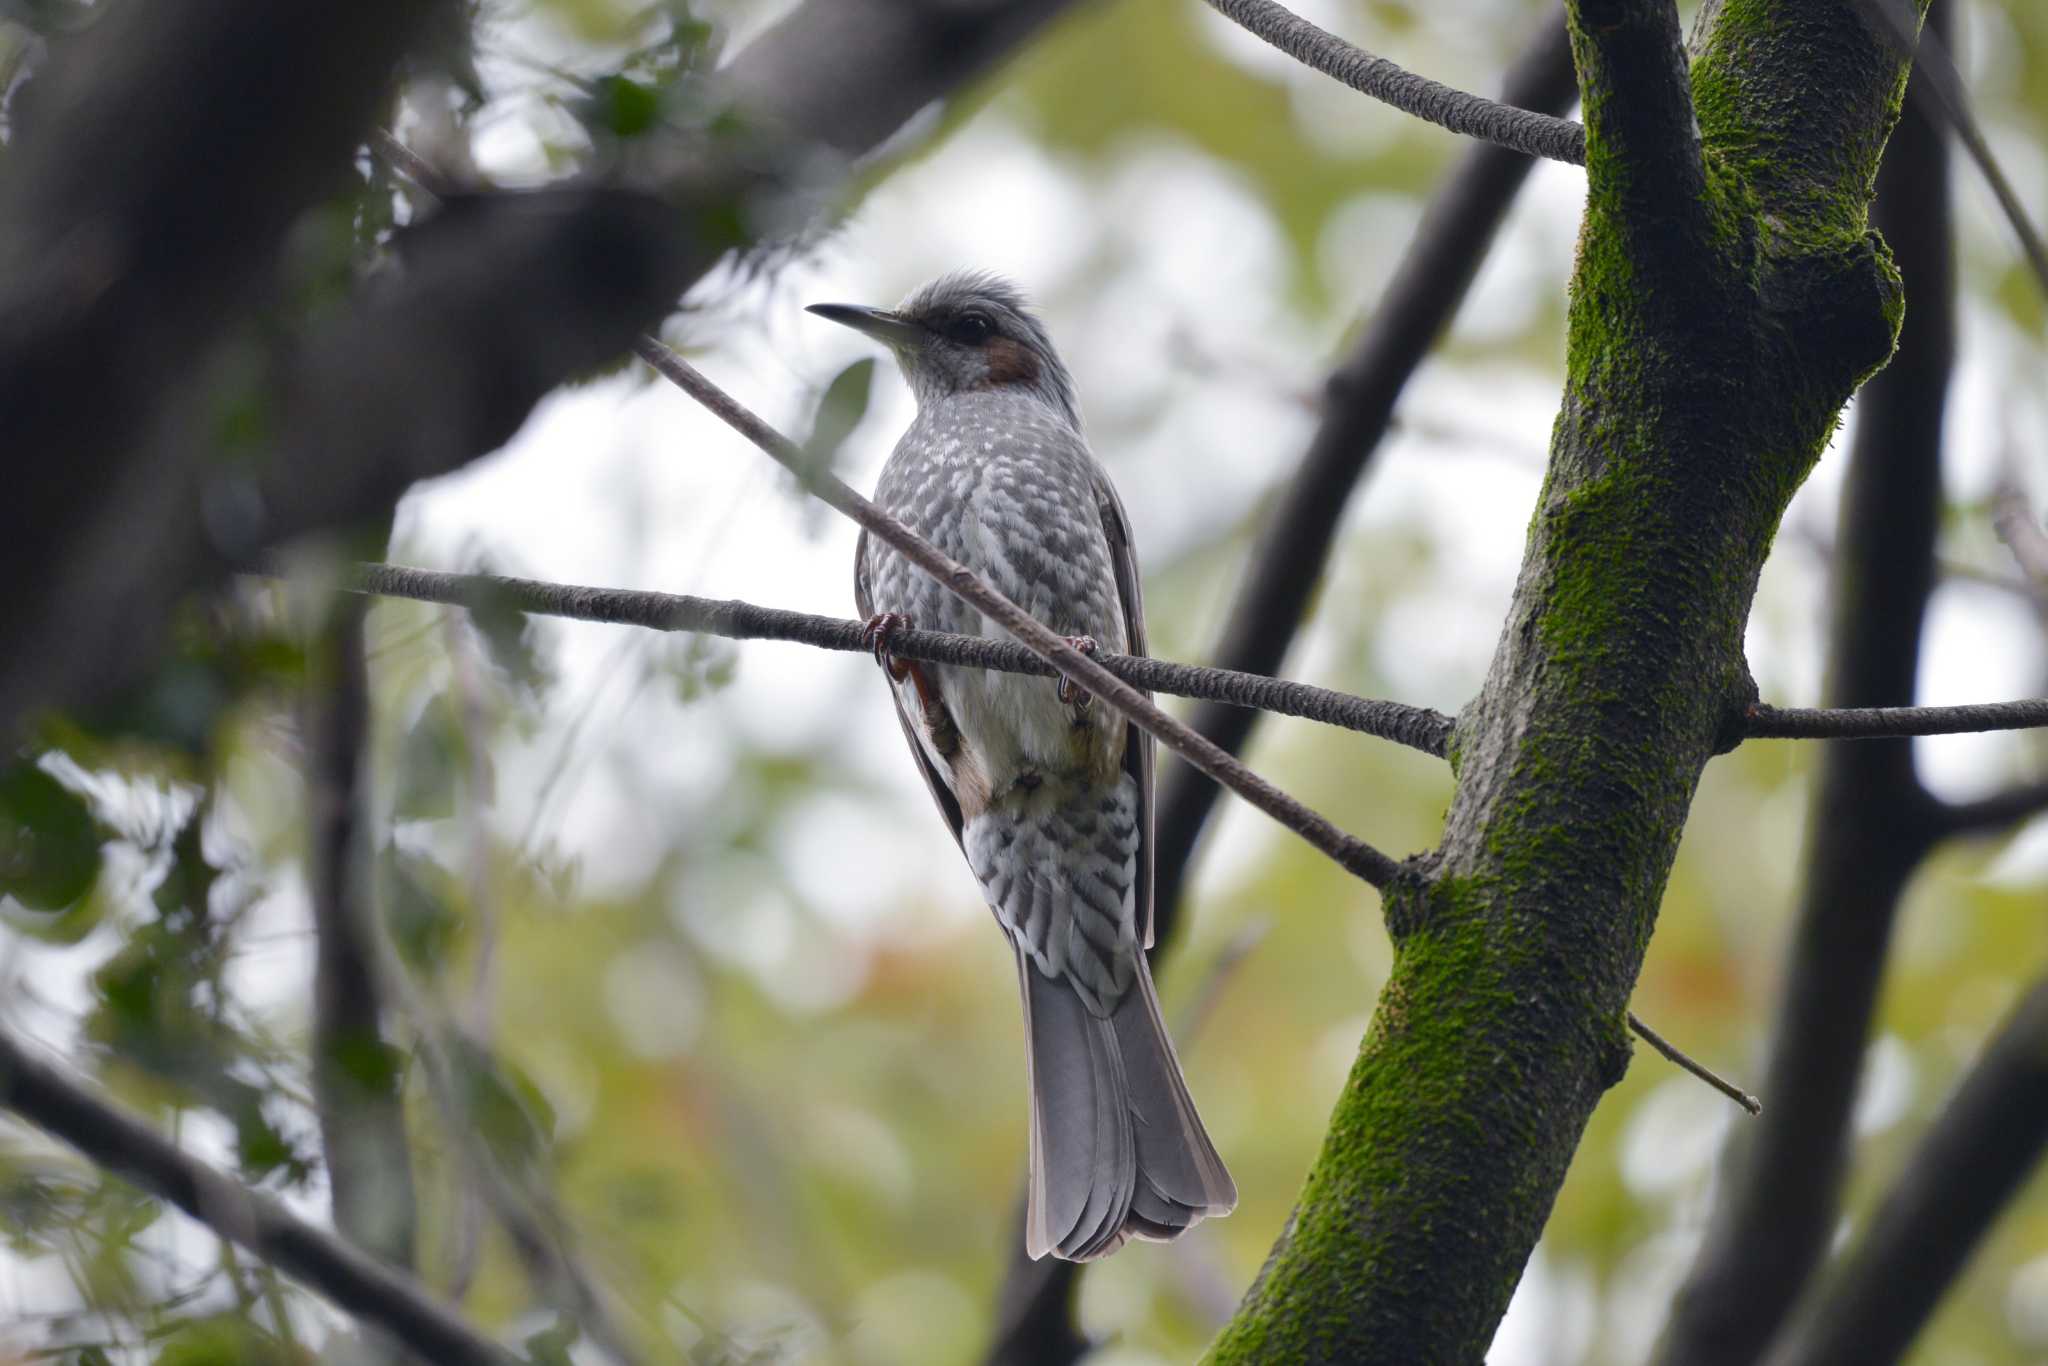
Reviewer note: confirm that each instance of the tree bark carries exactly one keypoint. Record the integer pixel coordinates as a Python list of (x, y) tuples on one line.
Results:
[(1728, 298), (1871, 821)]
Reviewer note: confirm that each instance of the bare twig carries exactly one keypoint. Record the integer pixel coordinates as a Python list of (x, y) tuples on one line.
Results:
[(353, 1281), (1698, 1069), (1416, 727), (1989, 1137), (1349, 852), (1282, 572), (1881, 723), (1538, 135)]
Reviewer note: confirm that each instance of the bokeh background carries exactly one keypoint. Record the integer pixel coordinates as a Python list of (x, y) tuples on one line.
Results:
[(744, 1006)]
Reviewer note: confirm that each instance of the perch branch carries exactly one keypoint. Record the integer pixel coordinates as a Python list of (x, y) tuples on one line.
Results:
[(1416, 727)]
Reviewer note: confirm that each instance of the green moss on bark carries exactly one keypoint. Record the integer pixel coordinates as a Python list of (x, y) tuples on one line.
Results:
[(1721, 315)]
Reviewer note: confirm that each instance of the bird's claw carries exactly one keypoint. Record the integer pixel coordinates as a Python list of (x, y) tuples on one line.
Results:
[(1069, 692), (876, 635)]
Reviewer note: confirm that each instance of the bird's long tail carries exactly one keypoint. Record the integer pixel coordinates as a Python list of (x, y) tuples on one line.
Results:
[(1117, 1150)]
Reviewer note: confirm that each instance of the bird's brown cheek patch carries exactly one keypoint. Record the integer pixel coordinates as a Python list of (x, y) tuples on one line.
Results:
[(1010, 362)]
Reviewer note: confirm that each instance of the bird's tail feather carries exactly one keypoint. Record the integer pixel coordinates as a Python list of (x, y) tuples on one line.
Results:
[(1117, 1150)]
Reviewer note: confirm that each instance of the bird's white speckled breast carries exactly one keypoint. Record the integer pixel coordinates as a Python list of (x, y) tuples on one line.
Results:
[(1001, 482)]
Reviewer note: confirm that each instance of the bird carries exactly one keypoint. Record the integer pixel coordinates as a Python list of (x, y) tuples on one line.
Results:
[(1048, 796)]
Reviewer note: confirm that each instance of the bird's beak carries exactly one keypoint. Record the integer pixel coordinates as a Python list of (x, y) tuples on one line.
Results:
[(877, 323)]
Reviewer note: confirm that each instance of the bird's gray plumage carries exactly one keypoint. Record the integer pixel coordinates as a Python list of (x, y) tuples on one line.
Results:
[(1050, 802)]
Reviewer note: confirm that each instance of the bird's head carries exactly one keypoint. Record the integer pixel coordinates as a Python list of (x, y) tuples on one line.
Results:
[(965, 332)]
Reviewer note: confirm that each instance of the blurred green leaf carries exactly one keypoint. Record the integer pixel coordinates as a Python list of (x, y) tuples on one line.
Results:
[(845, 403), (49, 842), (623, 107), (511, 639), (429, 763), (503, 1105), (226, 1340), (420, 918)]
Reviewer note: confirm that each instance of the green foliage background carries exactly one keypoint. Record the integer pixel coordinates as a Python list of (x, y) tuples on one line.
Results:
[(780, 1136)]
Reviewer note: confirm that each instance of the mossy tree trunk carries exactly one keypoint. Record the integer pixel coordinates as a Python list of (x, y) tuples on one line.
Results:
[(1729, 296)]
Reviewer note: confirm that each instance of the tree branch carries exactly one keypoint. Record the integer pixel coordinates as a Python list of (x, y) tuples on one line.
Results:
[(1870, 820), (1520, 130), (1684, 1061), (1878, 723), (351, 1280), (1352, 854), (1705, 373), (1994, 814), (1966, 1171), (120, 273), (1431, 281), (356, 1071), (501, 296), (1416, 727), (1645, 171)]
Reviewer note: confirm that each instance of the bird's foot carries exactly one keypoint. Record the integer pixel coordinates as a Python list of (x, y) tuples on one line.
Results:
[(1074, 696), (876, 635)]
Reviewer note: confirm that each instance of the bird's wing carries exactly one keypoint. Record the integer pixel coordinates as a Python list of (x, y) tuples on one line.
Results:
[(1137, 743), (949, 806)]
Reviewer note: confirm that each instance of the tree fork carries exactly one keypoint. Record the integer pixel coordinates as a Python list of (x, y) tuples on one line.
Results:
[(1728, 299)]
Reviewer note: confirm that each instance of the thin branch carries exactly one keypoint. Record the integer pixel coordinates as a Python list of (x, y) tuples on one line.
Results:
[(1881, 723), (1429, 284), (354, 1282), (1521, 130), (1699, 1069), (1989, 1137), (1350, 852), (1416, 727)]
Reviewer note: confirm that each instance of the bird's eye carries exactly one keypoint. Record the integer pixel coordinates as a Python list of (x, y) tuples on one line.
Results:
[(970, 329)]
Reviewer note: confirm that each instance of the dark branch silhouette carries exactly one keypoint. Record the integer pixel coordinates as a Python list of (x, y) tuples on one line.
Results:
[(350, 1279), (1521, 130), (1987, 1140), (501, 297), (355, 1070), (1994, 814), (1443, 256)]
